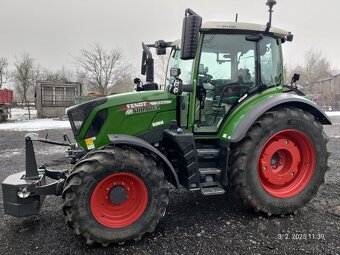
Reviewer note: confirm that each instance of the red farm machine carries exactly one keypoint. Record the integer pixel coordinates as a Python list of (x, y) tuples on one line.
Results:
[(6, 100)]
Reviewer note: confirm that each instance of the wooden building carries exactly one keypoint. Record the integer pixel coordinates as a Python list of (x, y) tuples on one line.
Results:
[(53, 97)]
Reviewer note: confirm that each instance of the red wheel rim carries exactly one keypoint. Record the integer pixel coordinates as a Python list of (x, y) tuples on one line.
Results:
[(119, 200), (286, 163)]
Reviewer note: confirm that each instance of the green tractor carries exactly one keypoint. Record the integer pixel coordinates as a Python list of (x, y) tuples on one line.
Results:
[(224, 121)]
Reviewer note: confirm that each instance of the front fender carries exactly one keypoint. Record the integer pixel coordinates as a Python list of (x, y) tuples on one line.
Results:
[(136, 142), (281, 100)]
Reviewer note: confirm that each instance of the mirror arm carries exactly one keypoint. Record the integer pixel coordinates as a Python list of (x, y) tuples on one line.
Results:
[(146, 50)]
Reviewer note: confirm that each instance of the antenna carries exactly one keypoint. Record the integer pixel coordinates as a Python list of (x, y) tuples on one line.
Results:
[(236, 17), (270, 3)]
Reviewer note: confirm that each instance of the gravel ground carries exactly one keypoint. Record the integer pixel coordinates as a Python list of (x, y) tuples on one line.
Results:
[(193, 224)]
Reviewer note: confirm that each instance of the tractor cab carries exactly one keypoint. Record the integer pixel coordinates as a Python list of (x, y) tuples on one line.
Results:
[(233, 61)]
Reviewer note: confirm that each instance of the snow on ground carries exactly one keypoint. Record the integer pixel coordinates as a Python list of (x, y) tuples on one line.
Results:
[(23, 123), (46, 150), (22, 114), (35, 125), (333, 113)]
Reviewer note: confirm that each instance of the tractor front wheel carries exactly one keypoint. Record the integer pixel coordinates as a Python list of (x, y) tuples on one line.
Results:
[(114, 195), (280, 164)]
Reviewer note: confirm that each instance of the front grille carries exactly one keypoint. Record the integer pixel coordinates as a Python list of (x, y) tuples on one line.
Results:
[(78, 114)]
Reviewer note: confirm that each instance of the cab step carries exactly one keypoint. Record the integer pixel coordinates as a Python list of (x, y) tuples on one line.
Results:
[(212, 189), (209, 171), (209, 153)]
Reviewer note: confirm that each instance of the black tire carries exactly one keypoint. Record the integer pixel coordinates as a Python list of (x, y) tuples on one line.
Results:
[(2, 116), (95, 167), (244, 177)]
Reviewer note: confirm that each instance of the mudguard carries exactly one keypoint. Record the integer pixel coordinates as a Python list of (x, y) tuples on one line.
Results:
[(133, 141), (281, 100)]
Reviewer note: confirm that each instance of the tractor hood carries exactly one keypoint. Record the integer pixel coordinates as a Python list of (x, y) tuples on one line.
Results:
[(132, 113), (130, 99)]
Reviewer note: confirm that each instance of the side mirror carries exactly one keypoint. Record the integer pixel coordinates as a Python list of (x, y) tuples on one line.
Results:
[(147, 63), (191, 25), (175, 72)]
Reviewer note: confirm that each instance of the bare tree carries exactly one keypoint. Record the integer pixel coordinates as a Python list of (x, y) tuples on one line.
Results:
[(161, 68), (123, 84), (316, 66), (288, 73), (329, 98), (24, 76), (101, 68), (63, 74), (3, 71)]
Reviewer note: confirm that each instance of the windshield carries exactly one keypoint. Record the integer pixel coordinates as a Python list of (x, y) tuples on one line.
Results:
[(185, 66)]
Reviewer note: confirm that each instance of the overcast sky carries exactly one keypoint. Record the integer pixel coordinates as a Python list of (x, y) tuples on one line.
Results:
[(54, 30)]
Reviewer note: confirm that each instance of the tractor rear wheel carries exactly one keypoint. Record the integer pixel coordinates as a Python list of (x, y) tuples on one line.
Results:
[(114, 195), (280, 164)]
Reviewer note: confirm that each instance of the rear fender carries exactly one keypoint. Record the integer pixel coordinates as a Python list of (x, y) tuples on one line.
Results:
[(138, 143), (282, 100)]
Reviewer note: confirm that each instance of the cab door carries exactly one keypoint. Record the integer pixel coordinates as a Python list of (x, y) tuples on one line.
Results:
[(226, 71)]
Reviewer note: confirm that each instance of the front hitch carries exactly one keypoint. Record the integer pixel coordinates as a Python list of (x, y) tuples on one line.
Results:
[(24, 192)]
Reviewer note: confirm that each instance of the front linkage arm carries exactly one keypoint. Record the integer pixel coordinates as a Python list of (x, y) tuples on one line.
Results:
[(24, 192)]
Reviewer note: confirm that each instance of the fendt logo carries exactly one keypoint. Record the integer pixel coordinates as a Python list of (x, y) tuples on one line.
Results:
[(135, 105), (143, 106)]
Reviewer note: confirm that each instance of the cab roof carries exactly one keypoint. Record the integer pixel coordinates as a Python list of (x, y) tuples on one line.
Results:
[(219, 25), (222, 25)]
